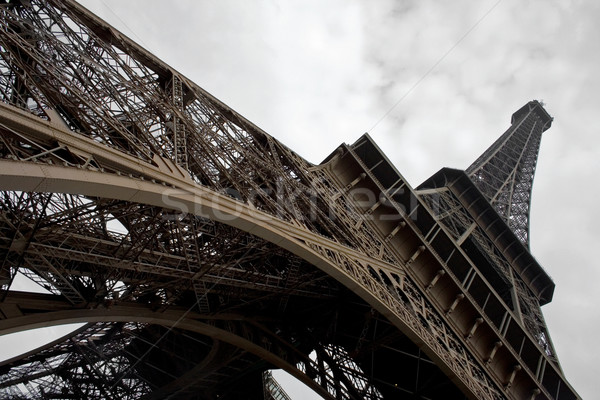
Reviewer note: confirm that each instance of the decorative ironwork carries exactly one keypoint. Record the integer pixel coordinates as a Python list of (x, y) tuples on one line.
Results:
[(504, 172), (201, 252)]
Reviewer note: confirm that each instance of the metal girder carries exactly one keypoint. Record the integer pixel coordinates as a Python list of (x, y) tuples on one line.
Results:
[(273, 391), (504, 172), (291, 236), (134, 195), (319, 251), (236, 330)]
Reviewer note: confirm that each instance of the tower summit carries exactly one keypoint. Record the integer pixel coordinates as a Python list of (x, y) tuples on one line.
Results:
[(504, 172)]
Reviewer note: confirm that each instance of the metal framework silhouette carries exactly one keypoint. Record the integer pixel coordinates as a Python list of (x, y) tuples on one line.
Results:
[(200, 253), (504, 173)]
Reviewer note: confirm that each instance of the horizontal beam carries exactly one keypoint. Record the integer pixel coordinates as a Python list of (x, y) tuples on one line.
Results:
[(180, 319)]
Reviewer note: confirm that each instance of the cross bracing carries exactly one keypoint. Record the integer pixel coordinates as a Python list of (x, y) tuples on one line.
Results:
[(504, 172), (201, 252)]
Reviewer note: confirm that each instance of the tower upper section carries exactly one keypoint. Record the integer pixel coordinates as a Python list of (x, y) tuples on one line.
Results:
[(504, 172)]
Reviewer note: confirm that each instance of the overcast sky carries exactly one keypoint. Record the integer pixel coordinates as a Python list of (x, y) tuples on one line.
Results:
[(318, 73)]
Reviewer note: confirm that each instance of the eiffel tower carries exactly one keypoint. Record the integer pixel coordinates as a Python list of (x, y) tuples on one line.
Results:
[(199, 253)]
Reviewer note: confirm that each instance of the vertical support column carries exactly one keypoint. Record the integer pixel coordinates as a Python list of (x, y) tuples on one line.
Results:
[(202, 296), (179, 134)]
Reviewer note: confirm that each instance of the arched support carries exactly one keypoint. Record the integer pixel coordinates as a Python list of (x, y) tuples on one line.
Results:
[(253, 341), (345, 265), (162, 184)]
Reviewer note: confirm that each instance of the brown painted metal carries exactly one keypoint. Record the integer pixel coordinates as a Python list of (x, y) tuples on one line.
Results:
[(169, 223)]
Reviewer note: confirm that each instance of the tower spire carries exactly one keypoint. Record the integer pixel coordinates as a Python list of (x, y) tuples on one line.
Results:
[(504, 172)]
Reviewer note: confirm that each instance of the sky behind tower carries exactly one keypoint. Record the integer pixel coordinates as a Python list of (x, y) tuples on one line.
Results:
[(434, 83)]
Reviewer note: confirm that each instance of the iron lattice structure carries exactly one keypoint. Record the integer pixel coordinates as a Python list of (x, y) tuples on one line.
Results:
[(200, 252), (504, 172), (272, 389)]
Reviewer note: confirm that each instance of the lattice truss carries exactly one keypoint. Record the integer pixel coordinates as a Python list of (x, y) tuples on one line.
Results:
[(504, 172), (94, 350), (102, 360), (272, 388), (452, 214), (61, 64)]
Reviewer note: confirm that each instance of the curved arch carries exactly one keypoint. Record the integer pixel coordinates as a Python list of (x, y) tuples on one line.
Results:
[(350, 269), (171, 319)]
